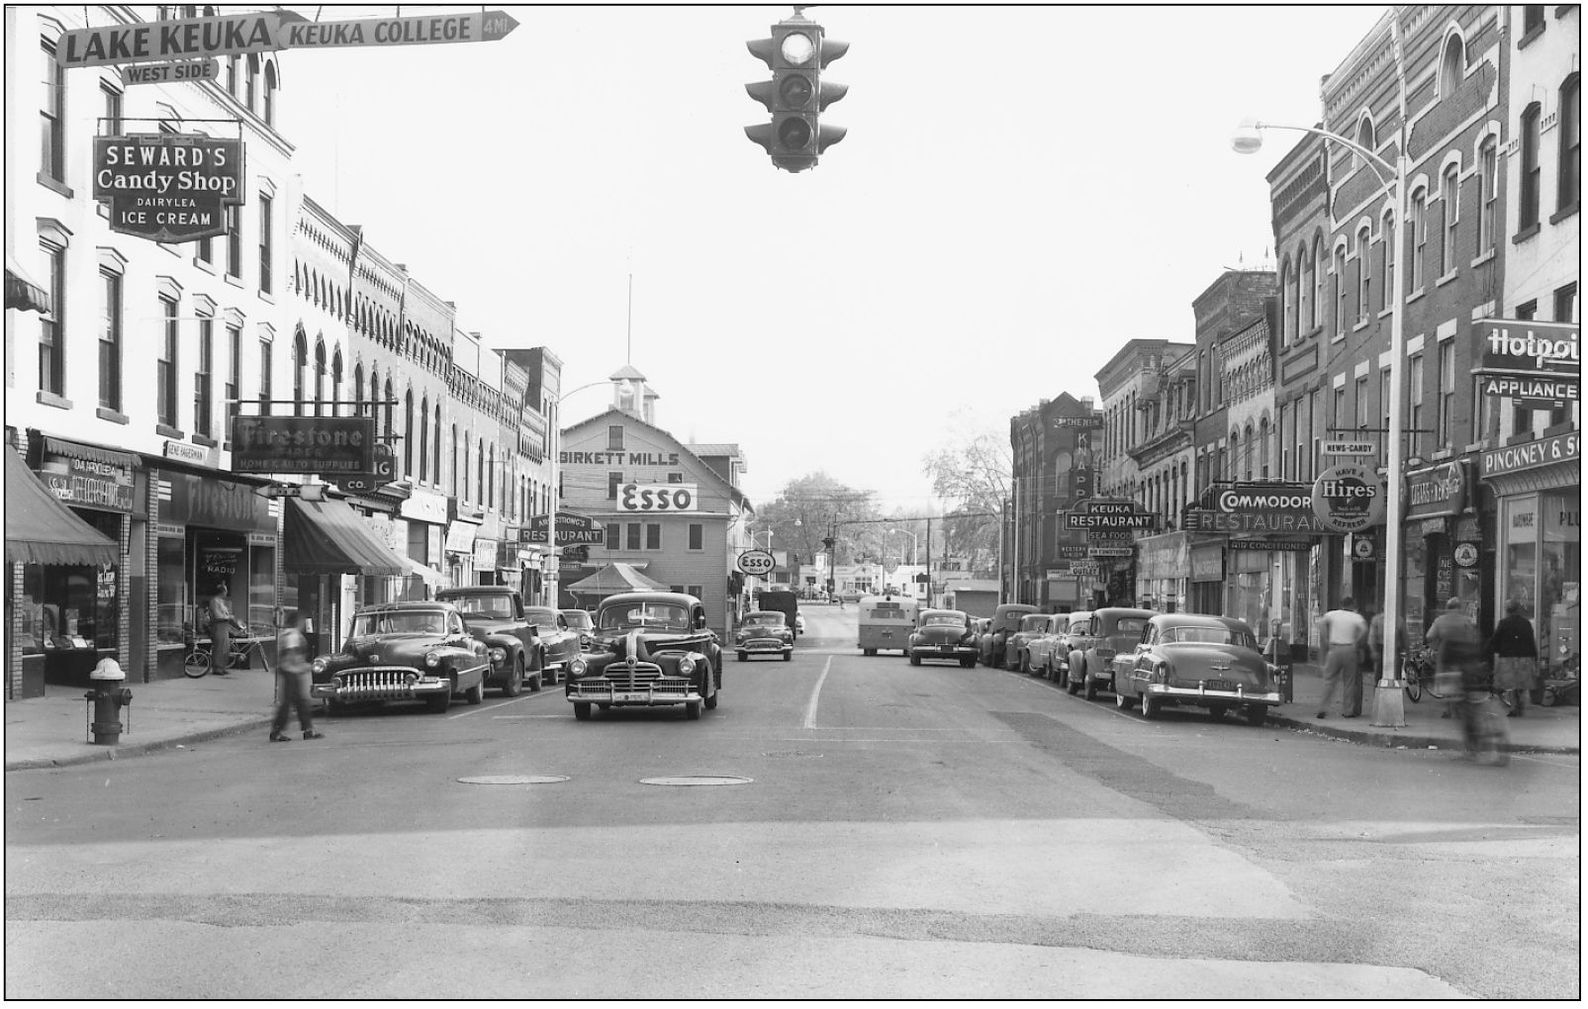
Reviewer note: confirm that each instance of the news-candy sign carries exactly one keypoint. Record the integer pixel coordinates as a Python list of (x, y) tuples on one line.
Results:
[(168, 187)]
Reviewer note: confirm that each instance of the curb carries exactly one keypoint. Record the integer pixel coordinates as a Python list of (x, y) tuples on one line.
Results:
[(120, 752), (1411, 742)]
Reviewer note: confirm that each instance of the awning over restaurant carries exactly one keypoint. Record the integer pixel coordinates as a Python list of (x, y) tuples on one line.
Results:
[(22, 291), (328, 538), (42, 530), (615, 577)]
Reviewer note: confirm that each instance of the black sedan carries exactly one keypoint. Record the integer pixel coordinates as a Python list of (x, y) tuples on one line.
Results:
[(650, 649), (943, 634), (412, 651), (1197, 660)]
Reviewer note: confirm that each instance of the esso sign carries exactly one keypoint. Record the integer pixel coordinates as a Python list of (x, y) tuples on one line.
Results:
[(757, 562), (658, 497)]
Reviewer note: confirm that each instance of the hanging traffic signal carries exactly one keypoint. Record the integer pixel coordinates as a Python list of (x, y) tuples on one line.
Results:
[(797, 53)]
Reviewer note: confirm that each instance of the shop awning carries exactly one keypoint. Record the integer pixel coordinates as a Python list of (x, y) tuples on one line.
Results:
[(89, 453), (615, 577), (22, 291), (431, 576), (328, 538), (41, 530)]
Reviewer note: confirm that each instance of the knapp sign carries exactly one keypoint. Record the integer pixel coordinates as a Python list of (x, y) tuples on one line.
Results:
[(168, 187), (1348, 499)]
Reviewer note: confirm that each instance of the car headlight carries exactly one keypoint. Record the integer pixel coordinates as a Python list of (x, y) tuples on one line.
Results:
[(577, 667), (432, 659), (318, 665), (411, 677), (498, 655), (686, 665)]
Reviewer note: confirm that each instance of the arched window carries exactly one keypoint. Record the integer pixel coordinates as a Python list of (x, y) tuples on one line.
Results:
[(1488, 189), (1364, 271), (270, 93), (479, 475), (1364, 139), (1449, 197), (490, 480), (374, 397), (1527, 210), (358, 390), (408, 433), (319, 376), (1568, 190), (1287, 303), (454, 458), (1318, 303), (1452, 66), (336, 381), (424, 438), (1251, 452), (1304, 310), (1263, 448), (1419, 236), (251, 94), (391, 409), (435, 445), (300, 370), (1342, 291), (1388, 284)]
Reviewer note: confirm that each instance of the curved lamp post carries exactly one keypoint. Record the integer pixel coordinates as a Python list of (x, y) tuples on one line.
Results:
[(1389, 708), (553, 568)]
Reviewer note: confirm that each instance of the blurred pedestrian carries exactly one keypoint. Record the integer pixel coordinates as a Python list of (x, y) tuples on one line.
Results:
[(1454, 639), (1351, 697), (222, 622), (1340, 631), (1375, 639), (292, 681), (1514, 651)]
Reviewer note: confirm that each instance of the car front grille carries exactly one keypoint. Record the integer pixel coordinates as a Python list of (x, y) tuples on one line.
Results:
[(638, 677), (384, 683)]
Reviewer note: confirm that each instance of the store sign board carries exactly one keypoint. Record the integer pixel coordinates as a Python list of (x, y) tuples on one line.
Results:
[(1110, 551), (425, 506), (168, 187), (1437, 490), (1096, 513), (1348, 498), (1252, 523), (174, 40), (1515, 458), (659, 497), (1530, 348), (171, 73), (89, 484), (572, 528), (1536, 392), (1351, 448), (330, 446)]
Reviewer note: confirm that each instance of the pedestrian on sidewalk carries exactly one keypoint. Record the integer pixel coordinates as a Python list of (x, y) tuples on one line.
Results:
[(1454, 639), (1351, 699), (1514, 652), (222, 621), (1341, 630), (1375, 638), (292, 681)]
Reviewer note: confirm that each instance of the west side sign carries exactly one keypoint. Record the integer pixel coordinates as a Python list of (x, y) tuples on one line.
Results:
[(238, 34)]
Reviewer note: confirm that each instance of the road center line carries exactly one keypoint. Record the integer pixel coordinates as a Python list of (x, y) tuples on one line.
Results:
[(522, 697), (816, 692)]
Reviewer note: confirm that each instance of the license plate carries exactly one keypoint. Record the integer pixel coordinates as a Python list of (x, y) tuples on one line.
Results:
[(946, 648), (630, 696), (1217, 685)]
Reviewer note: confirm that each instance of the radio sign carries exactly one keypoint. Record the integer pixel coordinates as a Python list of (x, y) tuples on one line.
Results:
[(1348, 499), (168, 187)]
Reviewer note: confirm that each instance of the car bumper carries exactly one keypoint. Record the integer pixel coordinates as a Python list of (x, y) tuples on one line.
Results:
[(380, 683), (765, 646), (1203, 695), (958, 652), (606, 693)]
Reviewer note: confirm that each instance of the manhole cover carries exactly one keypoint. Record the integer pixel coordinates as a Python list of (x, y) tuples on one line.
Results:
[(513, 779), (698, 779), (790, 753)]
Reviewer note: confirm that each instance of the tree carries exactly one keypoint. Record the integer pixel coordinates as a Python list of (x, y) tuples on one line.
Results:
[(972, 475), (806, 511)]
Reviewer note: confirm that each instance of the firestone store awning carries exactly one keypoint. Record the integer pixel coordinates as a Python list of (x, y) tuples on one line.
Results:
[(327, 538), (41, 530)]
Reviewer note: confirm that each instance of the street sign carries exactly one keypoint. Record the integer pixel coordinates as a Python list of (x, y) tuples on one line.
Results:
[(1352, 448), (474, 26), (181, 39), (167, 73), (757, 562), (304, 492), (1110, 552)]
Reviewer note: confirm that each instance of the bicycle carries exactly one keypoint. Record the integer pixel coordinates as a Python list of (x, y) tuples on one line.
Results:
[(1420, 676), (196, 663)]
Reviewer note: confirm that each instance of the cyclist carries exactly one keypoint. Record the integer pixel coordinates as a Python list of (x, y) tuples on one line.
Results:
[(222, 621)]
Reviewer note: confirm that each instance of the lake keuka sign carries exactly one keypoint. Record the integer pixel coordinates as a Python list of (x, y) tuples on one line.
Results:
[(239, 34), (168, 187)]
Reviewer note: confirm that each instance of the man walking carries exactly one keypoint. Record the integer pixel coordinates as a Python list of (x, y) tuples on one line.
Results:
[(292, 682), (1340, 630)]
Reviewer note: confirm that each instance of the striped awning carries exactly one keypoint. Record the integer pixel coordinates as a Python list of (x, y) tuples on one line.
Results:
[(22, 291)]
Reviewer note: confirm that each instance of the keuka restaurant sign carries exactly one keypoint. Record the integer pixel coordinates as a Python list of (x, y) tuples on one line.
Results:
[(168, 187), (326, 445)]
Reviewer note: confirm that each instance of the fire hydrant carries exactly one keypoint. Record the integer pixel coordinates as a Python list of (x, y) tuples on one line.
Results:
[(107, 699)]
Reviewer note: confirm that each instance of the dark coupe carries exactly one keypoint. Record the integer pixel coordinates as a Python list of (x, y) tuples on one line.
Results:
[(944, 634), (650, 648), (1199, 660), (415, 651)]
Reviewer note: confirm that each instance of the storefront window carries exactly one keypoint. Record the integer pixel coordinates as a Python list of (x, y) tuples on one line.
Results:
[(1414, 585), (1559, 619), (35, 626), (1521, 553), (261, 588), (173, 623)]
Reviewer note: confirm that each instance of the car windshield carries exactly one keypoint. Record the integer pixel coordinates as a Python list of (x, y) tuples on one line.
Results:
[(1034, 622), (665, 616), (493, 607), (944, 620), (400, 622), (1131, 626), (578, 618), (764, 620), (1209, 634), (541, 616)]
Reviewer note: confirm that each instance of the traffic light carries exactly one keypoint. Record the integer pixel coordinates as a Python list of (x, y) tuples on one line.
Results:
[(797, 53)]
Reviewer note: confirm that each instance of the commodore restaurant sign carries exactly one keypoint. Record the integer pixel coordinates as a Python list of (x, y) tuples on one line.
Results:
[(168, 187)]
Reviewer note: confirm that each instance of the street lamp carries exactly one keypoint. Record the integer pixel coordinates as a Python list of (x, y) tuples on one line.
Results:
[(915, 544), (554, 561), (1388, 709)]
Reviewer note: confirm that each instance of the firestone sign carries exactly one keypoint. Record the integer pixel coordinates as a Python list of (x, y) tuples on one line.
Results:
[(327, 445), (168, 187)]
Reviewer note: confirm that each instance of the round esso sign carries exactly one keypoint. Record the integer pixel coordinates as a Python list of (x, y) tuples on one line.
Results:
[(756, 562), (1348, 498)]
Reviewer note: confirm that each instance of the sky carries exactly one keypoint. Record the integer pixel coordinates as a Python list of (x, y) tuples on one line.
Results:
[(1021, 191)]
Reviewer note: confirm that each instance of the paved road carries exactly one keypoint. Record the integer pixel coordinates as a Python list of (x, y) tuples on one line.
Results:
[(905, 832)]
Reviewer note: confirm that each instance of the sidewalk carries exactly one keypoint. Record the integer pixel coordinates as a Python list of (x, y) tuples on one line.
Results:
[(52, 731), (1539, 730)]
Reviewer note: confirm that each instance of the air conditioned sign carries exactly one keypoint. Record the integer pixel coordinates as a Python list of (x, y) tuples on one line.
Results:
[(168, 187)]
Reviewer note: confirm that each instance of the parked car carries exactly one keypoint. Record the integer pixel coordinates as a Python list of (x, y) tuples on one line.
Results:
[(799, 623), (1073, 626), (495, 615), (764, 632), (943, 634), (1005, 621), (1112, 629), (1016, 645), (580, 622), (410, 651), (1196, 660), (1040, 648), (559, 643), (651, 648)]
